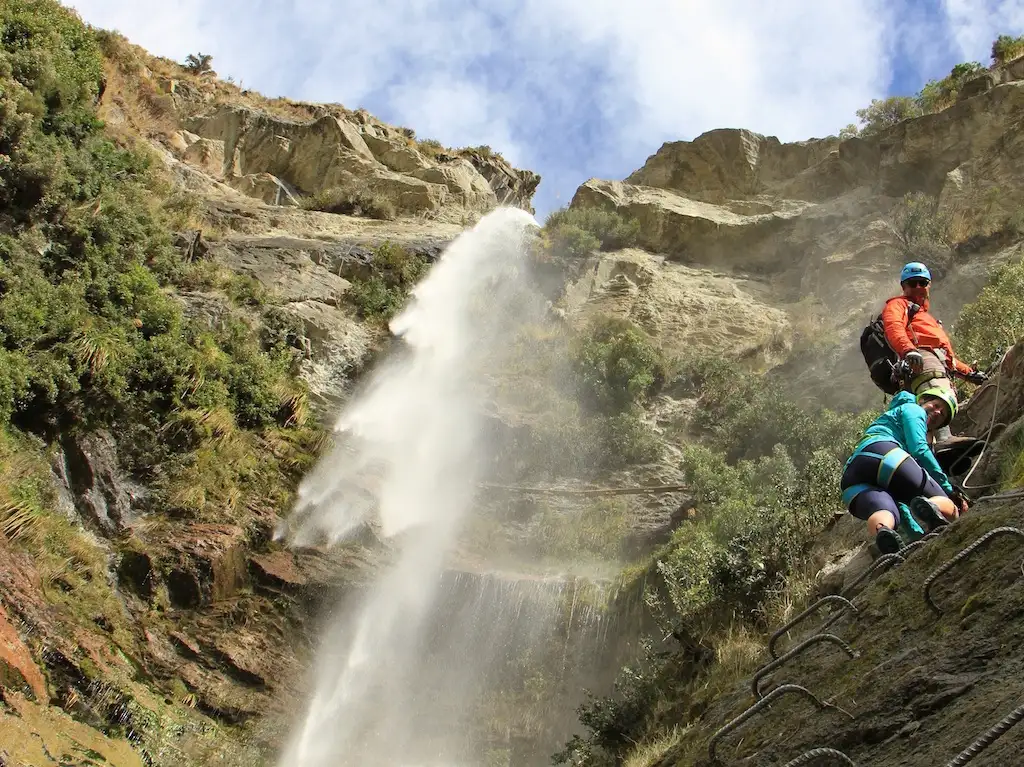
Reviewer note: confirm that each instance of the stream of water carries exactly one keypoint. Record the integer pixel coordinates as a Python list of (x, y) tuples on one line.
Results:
[(411, 671)]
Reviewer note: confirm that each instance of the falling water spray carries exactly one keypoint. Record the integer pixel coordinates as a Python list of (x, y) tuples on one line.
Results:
[(409, 452)]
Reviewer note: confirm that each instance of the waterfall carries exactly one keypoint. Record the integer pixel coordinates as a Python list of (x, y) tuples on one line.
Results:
[(406, 665)]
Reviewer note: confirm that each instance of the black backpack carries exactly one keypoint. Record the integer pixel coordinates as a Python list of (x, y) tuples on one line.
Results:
[(879, 356)]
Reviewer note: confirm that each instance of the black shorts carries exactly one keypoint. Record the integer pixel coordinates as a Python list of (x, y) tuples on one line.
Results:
[(907, 482)]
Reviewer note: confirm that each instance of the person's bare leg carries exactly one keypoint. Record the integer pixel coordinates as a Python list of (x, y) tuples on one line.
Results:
[(946, 506), (880, 519)]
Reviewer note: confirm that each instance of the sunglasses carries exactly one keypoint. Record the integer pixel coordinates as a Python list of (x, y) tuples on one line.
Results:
[(916, 283)]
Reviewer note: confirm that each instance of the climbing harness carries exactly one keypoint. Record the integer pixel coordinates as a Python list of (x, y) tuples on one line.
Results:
[(831, 599), (762, 704), (755, 682), (988, 737), (814, 755), (930, 580)]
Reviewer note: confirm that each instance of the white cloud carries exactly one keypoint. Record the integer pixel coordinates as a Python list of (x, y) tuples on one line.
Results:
[(570, 88), (974, 24)]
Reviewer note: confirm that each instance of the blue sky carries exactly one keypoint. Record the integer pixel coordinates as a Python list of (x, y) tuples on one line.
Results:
[(574, 89)]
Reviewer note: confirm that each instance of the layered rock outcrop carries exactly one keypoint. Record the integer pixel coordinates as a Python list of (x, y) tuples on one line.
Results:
[(792, 224), (277, 160)]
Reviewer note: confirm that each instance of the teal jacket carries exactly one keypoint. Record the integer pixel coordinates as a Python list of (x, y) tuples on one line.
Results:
[(906, 423)]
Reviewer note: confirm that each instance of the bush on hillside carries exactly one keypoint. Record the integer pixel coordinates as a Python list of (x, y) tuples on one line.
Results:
[(994, 321), (850, 131), (936, 95), (1006, 48), (580, 231), (199, 63), (616, 365), (394, 273), (352, 198), (744, 416), (89, 335), (885, 113)]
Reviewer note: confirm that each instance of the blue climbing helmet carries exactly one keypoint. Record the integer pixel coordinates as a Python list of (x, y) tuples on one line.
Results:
[(915, 269)]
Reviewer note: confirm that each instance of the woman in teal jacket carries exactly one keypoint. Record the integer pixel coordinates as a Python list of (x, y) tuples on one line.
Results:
[(894, 465)]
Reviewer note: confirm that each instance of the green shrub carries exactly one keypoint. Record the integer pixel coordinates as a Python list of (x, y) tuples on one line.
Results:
[(745, 416), (569, 228), (994, 321), (939, 94), (595, 532), (885, 113), (89, 334), (244, 290), (394, 272), (616, 365), (1006, 48), (626, 439), (921, 233), (199, 63), (757, 520), (850, 131)]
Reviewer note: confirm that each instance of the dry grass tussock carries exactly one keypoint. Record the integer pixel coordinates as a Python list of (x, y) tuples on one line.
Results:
[(354, 198), (651, 753)]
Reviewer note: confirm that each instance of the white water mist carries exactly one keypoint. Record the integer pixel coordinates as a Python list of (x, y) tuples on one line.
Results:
[(410, 449)]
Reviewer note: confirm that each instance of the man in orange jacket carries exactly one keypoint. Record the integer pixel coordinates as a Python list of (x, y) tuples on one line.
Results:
[(921, 341)]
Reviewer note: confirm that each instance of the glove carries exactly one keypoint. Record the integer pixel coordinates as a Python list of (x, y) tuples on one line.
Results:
[(976, 377), (914, 359)]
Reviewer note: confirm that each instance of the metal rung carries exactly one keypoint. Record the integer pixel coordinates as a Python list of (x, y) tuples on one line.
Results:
[(755, 682), (812, 756), (847, 604), (887, 559), (930, 580), (905, 551), (762, 704), (987, 738)]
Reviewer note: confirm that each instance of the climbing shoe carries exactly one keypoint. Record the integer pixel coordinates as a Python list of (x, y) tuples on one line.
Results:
[(888, 541), (927, 514)]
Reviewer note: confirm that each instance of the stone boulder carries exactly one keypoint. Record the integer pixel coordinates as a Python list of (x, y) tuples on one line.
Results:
[(692, 231), (201, 564), (265, 187), (406, 193), (337, 347), (998, 405), (686, 310), (293, 269), (728, 164), (511, 186), (307, 155), (104, 498), (208, 155), (463, 182), (917, 154), (397, 155)]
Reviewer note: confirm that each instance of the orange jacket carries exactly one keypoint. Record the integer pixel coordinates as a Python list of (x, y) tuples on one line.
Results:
[(925, 332)]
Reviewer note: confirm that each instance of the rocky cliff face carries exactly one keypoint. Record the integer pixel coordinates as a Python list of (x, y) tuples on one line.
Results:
[(278, 158), (786, 248)]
